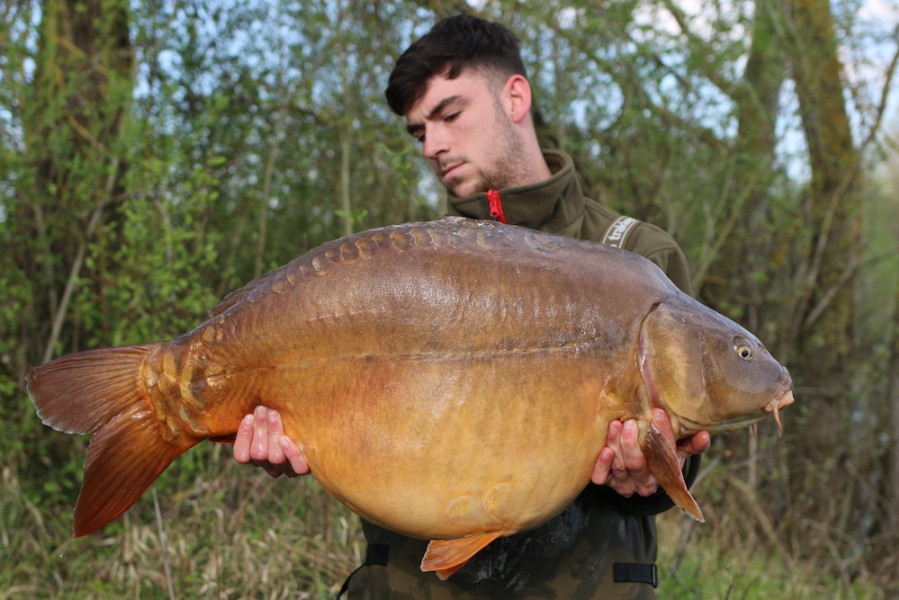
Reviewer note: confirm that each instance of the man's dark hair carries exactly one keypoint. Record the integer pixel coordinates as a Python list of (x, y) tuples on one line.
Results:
[(452, 44)]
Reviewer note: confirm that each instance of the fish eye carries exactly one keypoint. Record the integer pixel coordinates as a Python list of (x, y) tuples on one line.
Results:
[(743, 349)]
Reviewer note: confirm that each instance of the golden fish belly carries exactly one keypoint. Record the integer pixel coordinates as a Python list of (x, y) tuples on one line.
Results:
[(447, 448)]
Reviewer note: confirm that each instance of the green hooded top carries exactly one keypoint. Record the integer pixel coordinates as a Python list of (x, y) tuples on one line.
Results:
[(557, 205)]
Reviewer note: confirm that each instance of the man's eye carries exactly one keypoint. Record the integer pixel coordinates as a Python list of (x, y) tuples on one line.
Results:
[(452, 116)]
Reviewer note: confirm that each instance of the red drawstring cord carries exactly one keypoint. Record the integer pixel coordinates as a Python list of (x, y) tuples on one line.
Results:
[(496, 206)]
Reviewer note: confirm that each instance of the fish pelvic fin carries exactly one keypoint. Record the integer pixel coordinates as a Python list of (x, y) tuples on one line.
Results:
[(661, 458), (448, 556), (99, 393)]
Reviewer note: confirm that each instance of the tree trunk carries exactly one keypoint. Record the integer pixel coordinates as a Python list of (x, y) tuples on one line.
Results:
[(824, 321), (80, 97), (821, 328)]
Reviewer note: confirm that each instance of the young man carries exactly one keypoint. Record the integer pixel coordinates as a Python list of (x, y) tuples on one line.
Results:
[(464, 94)]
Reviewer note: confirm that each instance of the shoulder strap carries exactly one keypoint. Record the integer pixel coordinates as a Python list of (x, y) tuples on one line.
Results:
[(618, 231)]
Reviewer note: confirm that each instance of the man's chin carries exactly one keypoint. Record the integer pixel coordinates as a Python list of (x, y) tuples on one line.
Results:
[(462, 189)]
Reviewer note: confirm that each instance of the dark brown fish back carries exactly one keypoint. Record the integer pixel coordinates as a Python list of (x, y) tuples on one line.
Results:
[(411, 271), (450, 233)]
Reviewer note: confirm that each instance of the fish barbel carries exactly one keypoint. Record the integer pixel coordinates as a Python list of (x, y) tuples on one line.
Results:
[(450, 380)]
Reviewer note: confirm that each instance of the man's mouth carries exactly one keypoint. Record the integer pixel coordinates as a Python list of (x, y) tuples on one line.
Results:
[(445, 171)]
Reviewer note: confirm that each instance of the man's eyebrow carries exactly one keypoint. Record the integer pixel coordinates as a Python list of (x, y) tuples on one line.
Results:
[(414, 128)]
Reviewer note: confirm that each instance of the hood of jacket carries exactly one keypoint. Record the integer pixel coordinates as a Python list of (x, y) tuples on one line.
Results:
[(555, 205)]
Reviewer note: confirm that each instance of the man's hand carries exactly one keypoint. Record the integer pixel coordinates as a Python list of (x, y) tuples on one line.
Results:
[(621, 464), (260, 441)]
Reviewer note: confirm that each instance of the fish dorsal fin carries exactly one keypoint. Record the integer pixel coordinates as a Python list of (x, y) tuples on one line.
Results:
[(448, 556), (661, 458)]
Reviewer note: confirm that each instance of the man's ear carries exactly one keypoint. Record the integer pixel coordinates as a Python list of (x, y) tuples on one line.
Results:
[(518, 96)]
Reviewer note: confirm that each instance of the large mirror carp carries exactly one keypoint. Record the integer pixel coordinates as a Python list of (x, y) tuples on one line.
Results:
[(451, 380)]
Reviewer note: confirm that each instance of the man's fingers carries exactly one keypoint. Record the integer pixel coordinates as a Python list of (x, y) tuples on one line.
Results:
[(602, 470), (695, 444), (637, 478), (294, 455), (259, 447), (275, 433), (283, 453), (621, 464), (616, 476), (243, 439), (632, 454), (613, 441), (260, 440)]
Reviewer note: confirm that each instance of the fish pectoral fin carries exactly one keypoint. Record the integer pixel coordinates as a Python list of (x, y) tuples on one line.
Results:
[(661, 458), (448, 556)]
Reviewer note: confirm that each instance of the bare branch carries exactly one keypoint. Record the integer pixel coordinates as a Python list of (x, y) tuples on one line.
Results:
[(75, 270)]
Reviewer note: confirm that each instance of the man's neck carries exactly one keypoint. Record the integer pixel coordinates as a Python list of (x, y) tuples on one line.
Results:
[(535, 168)]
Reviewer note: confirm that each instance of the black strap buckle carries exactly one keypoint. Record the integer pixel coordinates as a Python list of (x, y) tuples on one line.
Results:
[(635, 573)]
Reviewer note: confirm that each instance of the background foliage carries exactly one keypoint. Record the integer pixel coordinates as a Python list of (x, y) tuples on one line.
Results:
[(156, 155)]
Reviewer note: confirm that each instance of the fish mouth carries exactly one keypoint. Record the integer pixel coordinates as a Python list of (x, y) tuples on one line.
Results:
[(722, 426), (775, 405)]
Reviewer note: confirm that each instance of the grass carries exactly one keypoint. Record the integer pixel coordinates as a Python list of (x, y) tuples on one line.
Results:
[(237, 534), (212, 529), (709, 567), (742, 552)]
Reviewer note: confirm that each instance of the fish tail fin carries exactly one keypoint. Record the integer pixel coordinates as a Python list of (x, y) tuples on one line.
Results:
[(661, 458), (101, 393), (448, 556)]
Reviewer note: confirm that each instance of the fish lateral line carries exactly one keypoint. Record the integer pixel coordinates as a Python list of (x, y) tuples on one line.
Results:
[(576, 348)]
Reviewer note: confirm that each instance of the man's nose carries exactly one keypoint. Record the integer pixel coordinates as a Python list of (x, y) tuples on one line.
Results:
[(435, 143)]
